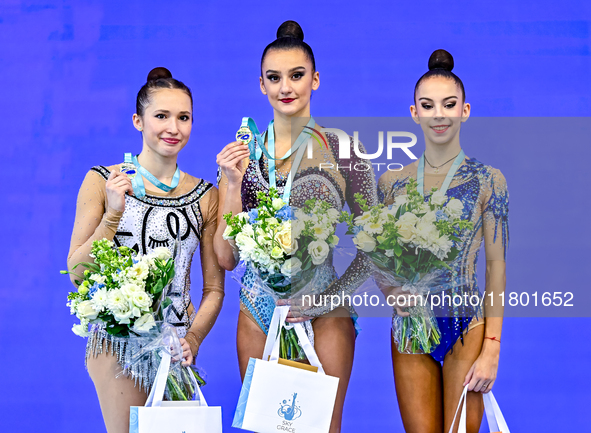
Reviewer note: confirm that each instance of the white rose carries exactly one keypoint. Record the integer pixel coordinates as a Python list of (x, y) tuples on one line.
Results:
[(408, 218), (286, 241), (400, 200), (162, 253), (243, 217), (296, 228), (144, 324), (438, 198), (429, 217), (277, 252), (427, 231), (364, 242), (226, 234), (291, 266), (101, 279), (319, 251), (333, 214), (142, 300), (129, 289), (278, 203), (454, 208), (85, 310), (81, 330), (247, 230), (123, 314)]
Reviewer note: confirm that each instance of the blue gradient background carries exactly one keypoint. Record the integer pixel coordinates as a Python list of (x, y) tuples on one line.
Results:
[(69, 73)]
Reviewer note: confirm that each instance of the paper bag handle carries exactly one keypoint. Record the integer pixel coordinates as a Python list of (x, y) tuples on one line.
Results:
[(494, 417), (271, 351)]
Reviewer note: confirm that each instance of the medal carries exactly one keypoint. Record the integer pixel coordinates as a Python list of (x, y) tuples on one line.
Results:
[(244, 135), (129, 169)]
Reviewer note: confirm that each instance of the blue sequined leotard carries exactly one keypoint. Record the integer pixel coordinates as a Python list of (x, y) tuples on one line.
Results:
[(483, 192)]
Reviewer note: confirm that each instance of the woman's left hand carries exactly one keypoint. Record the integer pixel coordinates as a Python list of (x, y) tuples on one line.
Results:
[(483, 373), (295, 311), (187, 354)]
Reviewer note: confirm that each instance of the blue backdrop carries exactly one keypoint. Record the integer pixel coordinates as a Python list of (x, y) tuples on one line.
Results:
[(69, 74)]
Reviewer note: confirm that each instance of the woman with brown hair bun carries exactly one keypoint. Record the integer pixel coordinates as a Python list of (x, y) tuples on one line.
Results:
[(171, 204), (288, 78), (429, 385)]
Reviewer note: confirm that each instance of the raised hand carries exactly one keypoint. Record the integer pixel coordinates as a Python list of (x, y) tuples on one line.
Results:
[(117, 185), (231, 158)]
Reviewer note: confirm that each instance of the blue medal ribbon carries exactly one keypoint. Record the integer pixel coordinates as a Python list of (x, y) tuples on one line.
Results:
[(450, 174), (298, 148), (137, 182)]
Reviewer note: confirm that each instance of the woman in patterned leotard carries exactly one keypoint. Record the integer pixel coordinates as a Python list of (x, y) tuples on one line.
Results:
[(288, 78), (428, 392), (107, 208)]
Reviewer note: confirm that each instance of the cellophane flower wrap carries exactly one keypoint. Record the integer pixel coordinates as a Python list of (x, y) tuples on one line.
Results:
[(411, 244), (125, 293), (285, 248)]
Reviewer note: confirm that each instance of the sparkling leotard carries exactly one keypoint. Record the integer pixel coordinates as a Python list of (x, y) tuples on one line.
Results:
[(149, 222), (335, 185), (483, 192)]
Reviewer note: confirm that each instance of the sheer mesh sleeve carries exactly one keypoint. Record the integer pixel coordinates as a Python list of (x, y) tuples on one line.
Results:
[(495, 217), (94, 220), (213, 275), (358, 182)]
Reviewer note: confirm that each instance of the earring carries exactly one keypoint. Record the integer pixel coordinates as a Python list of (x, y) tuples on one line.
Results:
[(141, 129)]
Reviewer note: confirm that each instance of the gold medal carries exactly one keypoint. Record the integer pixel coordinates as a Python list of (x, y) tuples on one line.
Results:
[(244, 135), (129, 169)]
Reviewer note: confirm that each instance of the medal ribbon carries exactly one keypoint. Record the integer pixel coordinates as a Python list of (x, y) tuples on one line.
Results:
[(450, 174), (138, 183), (256, 151)]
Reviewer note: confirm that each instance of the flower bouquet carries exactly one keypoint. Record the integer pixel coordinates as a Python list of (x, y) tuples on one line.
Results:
[(125, 293), (283, 251), (411, 244)]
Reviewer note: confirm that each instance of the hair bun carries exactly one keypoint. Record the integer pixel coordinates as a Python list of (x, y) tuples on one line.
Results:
[(441, 59), (290, 29), (158, 73)]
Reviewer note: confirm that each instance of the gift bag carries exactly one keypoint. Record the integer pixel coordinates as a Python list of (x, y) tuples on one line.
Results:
[(279, 397), (174, 416), (494, 417)]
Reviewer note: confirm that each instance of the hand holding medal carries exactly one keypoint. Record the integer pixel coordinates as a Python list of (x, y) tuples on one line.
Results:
[(231, 158)]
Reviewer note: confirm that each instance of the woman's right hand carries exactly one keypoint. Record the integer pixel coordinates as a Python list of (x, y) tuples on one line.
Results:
[(230, 160), (400, 299), (117, 185)]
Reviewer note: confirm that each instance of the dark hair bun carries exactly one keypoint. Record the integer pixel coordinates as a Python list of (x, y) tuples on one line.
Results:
[(290, 29), (441, 59), (158, 73)]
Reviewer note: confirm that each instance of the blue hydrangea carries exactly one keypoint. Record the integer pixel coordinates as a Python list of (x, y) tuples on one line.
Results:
[(285, 213), (252, 215), (440, 215), (94, 288), (356, 229)]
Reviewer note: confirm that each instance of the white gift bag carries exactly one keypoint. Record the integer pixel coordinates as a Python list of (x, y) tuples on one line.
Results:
[(281, 398), (159, 416), (494, 416)]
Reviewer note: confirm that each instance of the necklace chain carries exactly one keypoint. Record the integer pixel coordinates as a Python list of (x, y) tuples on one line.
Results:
[(439, 166)]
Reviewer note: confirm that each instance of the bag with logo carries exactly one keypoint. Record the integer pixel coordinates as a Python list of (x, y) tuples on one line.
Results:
[(285, 396), (494, 416), (174, 416)]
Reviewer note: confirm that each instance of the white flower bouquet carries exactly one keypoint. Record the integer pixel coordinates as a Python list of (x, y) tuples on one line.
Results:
[(283, 249), (411, 243), (125, 292)]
